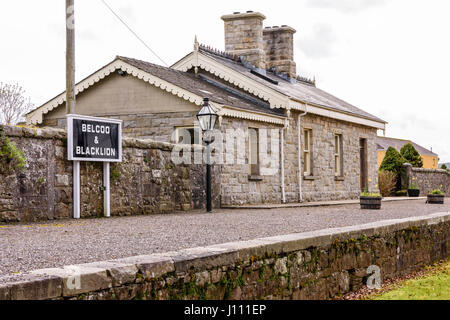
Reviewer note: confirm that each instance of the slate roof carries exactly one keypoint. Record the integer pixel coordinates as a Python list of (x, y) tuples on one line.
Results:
[(302, 90), (383, 143), (205, 87)]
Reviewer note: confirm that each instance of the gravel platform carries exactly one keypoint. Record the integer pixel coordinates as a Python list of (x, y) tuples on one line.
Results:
[(26, 247)]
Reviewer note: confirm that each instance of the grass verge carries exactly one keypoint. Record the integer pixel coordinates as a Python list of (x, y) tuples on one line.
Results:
[(434, 284)]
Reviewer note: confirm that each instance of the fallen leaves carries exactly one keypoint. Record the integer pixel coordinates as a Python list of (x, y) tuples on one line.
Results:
[(394, 283)]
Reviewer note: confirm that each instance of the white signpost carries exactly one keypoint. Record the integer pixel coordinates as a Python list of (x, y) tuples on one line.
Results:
[(93, 139)]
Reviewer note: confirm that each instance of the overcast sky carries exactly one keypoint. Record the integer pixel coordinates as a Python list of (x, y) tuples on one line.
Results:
[(387, 57)]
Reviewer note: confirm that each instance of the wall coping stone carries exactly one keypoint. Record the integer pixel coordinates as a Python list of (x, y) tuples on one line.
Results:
[(31, 287), (52, 283), (427, 170), (243, 15), (38, 133), (91, 278), (54, 133)]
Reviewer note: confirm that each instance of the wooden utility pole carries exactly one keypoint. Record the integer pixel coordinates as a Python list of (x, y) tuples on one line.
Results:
[(70, 95), (70, 57)]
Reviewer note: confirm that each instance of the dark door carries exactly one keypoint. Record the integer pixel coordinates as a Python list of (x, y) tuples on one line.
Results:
[(363, 159)]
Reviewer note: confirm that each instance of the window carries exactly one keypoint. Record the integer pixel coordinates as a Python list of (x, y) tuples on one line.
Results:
[(307, 151), (338, 161), (364, 175), (253, 155), (188, 135)]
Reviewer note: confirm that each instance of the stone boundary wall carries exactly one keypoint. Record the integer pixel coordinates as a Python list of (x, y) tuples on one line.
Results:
[(146, 182), (313, 265), (428, 179)]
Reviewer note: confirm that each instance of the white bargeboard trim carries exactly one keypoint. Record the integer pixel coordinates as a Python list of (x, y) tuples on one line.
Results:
[(36, 116)]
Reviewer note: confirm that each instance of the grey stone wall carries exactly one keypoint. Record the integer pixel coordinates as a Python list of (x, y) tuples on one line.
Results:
[(428, 179), (323, 185), (146, 182), (238, 189), (155, 126), (315, 265), (236, 186)]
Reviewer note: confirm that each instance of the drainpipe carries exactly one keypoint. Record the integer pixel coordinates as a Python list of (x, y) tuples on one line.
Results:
[(299, 135), (283, 191)]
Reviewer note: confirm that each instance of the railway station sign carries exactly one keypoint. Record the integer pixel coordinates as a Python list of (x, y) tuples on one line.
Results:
[(94, 139)]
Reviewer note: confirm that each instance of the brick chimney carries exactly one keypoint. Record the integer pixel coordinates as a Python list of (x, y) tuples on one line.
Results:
[(279, 48), (244, 37)]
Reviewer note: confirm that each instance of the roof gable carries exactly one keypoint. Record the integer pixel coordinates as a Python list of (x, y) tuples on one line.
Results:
[(178, 83), (36, 116)]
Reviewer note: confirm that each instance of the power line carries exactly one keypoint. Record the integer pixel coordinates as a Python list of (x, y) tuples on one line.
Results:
[(134, 33)]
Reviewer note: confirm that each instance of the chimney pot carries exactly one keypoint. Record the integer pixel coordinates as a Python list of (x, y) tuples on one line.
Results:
[(279, 47), (244, 37)]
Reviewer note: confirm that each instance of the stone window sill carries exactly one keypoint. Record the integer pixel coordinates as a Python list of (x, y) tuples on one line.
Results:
[(309, 178), (255, 178), (339, 178)]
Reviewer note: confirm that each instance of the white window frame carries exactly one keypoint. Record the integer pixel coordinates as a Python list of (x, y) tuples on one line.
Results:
[(307, 152), (338, 170), (195, 128), (250, 153)]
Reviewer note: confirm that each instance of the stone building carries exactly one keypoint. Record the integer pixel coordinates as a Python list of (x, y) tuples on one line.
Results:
[(323, 148)]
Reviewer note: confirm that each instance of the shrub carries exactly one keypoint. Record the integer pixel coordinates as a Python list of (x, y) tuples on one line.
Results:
[(10, 154), (444, 167), (413, 186), (401, 193), (411, 155), (393, 161), (387, 181), (436, 192)]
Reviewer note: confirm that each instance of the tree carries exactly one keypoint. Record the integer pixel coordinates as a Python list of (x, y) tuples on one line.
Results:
[(393, 161), (13, 103), (444, 167), (411, 155)]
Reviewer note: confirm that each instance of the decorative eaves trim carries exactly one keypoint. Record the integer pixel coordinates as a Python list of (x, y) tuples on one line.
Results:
[(276, 100), (250, 115), (36, 116), (336, 115)]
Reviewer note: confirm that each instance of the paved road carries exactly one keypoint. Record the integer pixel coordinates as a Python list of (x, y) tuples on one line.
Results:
[(26, 247)]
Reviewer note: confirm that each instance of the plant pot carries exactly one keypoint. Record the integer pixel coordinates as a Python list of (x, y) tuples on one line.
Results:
[(373, 203), (413, 192), (435, 198)]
